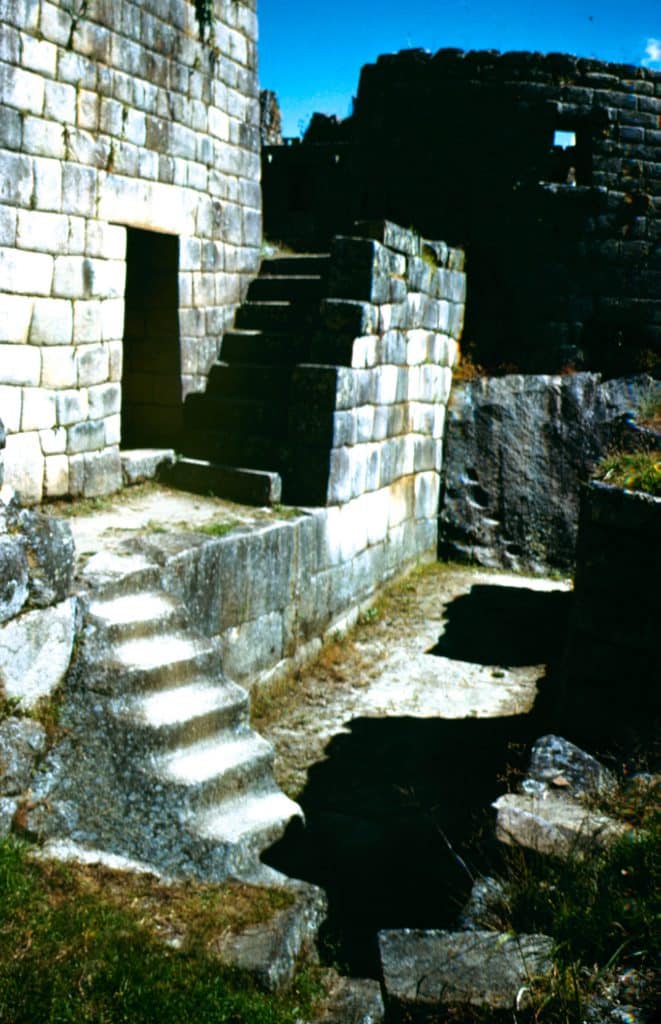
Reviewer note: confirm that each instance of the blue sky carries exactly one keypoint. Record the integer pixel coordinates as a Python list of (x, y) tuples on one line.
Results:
[(311, 53)]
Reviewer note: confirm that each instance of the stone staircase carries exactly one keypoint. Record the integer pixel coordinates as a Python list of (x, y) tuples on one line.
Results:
[(198, 778), (241, 421)]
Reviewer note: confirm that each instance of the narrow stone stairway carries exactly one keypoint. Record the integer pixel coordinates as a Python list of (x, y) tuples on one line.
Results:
[(203, 778), (242, 419)]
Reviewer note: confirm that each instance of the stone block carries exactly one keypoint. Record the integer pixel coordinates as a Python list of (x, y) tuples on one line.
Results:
[(72, 407), (11, 130), (113, 430), (35, 651), (53, 441), (39, 410), (47, 183), (52, 322), (27, 273), (42, 232), (93, 364), (15, 317), (21, 364), (85, 437), (79, 185), (10, 408), (58, 367), (391, 235), (8, 220), (429, 972), (107, 241), (104, 400), (13, 576), (56, 476), (50, 550), (102, 472), (24, 466), (87, 324), (112, 319), (43, 138), (22, 743), (55, 23), (115, 358), (21, 89)]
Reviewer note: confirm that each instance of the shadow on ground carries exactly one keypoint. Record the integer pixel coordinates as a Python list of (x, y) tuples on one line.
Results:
[(381, 813), (398, 803), (508, 626)]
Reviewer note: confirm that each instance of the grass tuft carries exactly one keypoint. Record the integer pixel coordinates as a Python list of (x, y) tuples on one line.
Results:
[(635, 471)]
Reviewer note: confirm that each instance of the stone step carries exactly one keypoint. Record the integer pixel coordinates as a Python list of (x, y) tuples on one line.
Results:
[(130, 672), (238, 415), (136, 615), (245, 451), (277, 316), (213, 770), (112, 574), (261, 381), (259, 820), (281, 287), (275, 348), (187, 714), (296, 264), (242, 484)]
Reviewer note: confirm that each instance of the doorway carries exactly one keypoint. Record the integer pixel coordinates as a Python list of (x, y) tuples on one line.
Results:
[(151, 378)]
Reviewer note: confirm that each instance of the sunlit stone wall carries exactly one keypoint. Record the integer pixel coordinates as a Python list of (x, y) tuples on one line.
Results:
[(113, 115)]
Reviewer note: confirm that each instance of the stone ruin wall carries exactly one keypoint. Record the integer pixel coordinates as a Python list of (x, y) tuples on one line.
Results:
[(460, 145), (117, 119)]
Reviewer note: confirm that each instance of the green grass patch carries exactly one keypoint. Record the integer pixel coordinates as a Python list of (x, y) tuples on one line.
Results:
[(216, 529), (635, 471), (83, 945)]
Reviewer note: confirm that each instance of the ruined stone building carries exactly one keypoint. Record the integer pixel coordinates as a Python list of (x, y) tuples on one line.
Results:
[(130, 223), (545, 168)]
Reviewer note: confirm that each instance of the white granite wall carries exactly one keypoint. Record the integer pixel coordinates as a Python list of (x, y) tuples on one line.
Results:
[(114, 114)]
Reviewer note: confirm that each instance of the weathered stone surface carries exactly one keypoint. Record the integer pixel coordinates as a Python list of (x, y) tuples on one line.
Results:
[(517, 450), (555, 824), (35, 651), (350, 1001), (13, 576), (425, 971), (2, 444), (50, 552), (481, 912), (555, 762), (22, 740), (269, 952), (144, 463)]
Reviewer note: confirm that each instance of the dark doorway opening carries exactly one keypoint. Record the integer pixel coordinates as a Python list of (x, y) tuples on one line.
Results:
[(151, 379)]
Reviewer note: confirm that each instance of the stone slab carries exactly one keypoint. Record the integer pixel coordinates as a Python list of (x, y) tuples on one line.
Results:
[(248, 486), (424, 971)]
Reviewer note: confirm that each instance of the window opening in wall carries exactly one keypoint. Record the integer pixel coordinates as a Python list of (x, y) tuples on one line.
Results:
[(151, 377), (570, 156), (563, 139)]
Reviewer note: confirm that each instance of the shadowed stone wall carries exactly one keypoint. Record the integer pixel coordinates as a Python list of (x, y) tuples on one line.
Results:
[(612, 660), (115, 114), (560, 242)]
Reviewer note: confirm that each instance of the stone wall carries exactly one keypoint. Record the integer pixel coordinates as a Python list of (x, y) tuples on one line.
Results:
[(517, 450), (560, 242), (612, 661), (118, 120), (367, 412)]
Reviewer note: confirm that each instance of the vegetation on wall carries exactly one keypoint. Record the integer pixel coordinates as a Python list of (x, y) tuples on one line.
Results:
[(204, 15)]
